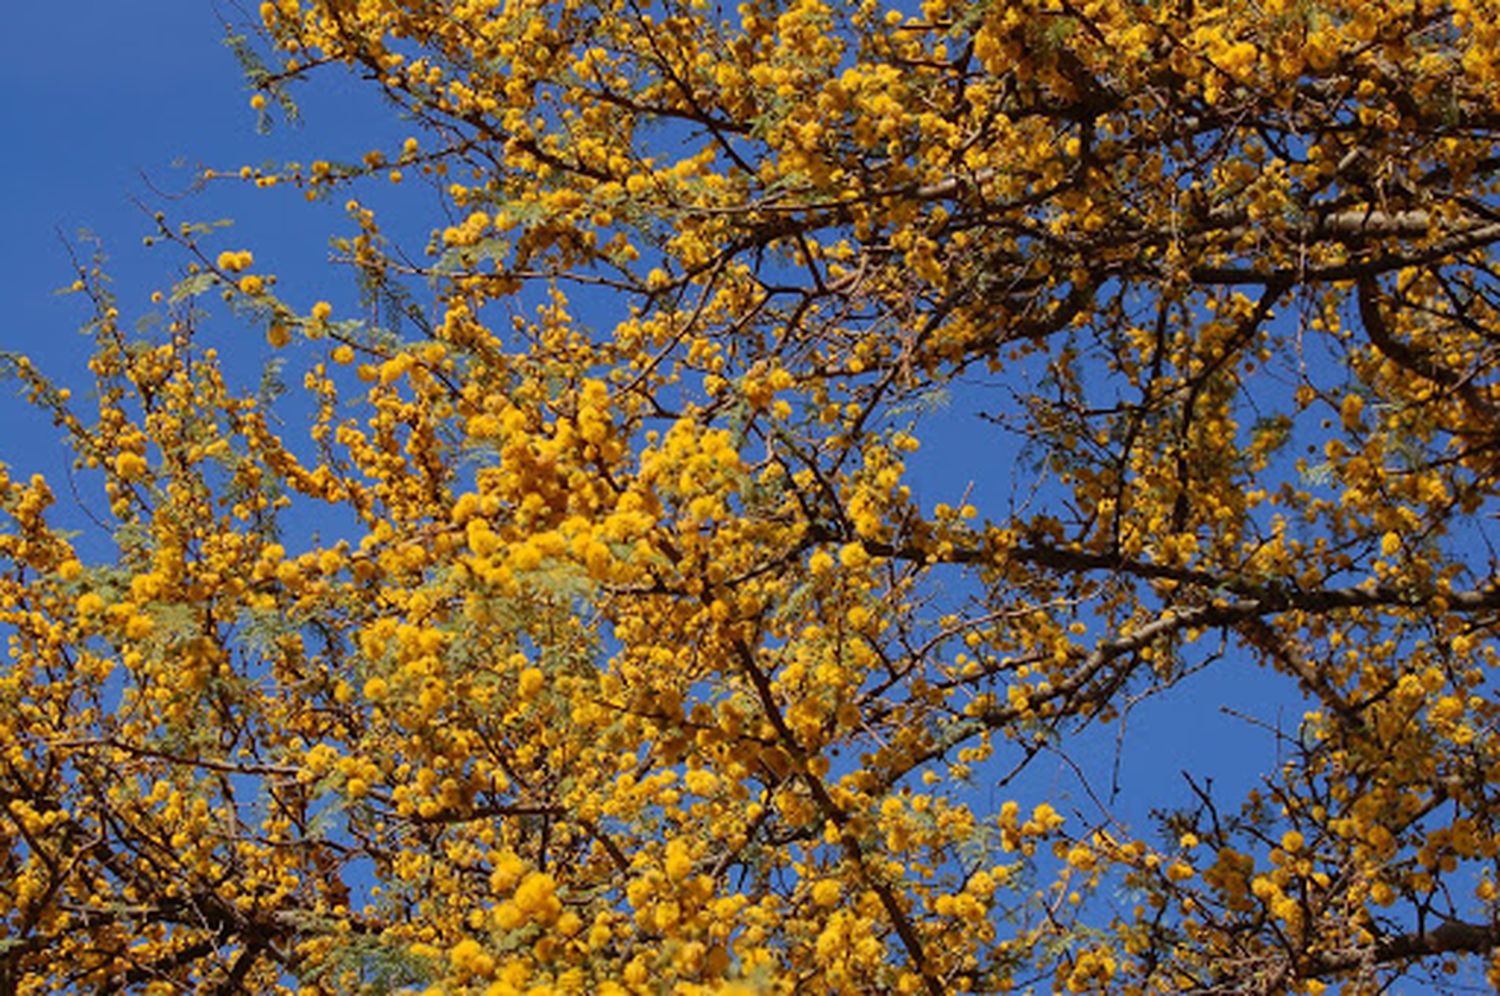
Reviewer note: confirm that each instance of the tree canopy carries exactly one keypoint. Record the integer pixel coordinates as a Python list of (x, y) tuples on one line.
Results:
[(571, 616)]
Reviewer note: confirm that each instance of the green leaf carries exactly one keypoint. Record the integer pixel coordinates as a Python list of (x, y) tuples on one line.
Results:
[(204, 227), (190, 287)]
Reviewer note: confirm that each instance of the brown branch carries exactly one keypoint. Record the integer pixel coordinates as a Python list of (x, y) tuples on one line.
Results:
[(1419, 362), (834, 812), (1220, 612), (1267, 597), (1474, 238), (1453, 937), (207, 763)]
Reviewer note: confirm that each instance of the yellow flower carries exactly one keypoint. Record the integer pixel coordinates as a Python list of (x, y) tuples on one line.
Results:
[(507, 872), (1390, 544), (679, 863), (1350, 410), (130, 465), (535, 896), (530, 683), (853, 555), (1080, 857), (234, 261)]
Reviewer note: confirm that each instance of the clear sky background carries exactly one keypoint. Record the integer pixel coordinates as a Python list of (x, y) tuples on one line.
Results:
[(105, 107), (108, 109), (92, 95)]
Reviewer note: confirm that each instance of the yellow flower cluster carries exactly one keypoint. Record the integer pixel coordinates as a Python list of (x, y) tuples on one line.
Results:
[(603, 629)]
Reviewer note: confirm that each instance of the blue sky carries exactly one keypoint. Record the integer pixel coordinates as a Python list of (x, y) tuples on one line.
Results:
[(95, 120), (119, 123), (113, 122), (105, 125), (143, 85)]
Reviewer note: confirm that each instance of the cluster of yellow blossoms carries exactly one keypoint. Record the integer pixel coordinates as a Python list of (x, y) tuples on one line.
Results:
[(599, 618)]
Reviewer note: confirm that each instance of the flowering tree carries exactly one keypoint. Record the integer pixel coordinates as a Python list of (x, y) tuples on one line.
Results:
[(625, 658)]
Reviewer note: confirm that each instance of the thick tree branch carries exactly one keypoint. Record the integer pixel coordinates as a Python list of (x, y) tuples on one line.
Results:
[(1453, 937)]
